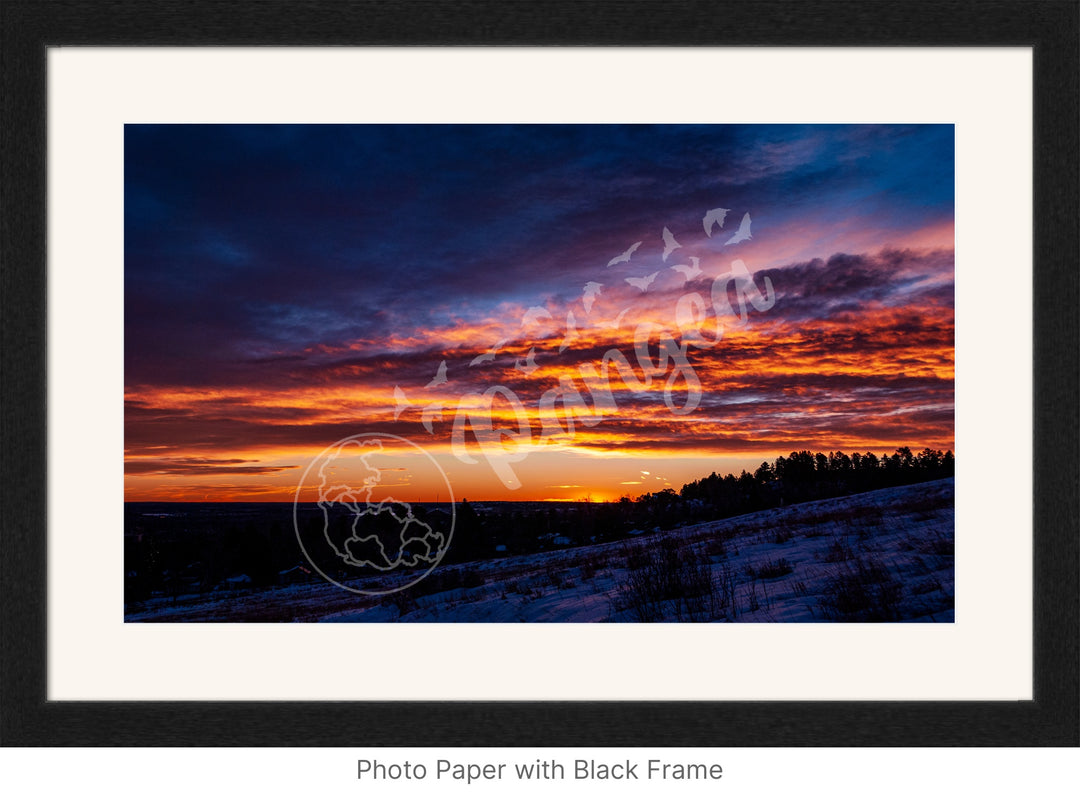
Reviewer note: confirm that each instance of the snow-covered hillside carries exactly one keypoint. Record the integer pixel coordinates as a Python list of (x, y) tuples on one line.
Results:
[(885, 555)]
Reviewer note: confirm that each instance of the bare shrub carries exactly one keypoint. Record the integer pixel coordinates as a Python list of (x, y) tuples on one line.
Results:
[(812, 518), (593, 563), (771, 569), (863, 590), (866, 516), (782, 534), (636, 557), (838, 552), (716, 547), (939, 545), (588, 571), (928, 585), (672, 583), (751, 596)]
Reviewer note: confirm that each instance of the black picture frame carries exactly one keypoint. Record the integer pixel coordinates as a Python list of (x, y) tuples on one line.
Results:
[(1052, 29)]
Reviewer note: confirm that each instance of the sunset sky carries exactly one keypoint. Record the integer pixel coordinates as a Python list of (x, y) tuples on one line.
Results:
[(290, 286)]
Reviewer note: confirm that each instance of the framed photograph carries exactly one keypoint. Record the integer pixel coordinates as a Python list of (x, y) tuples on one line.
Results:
[(602, 378), (301, 420)]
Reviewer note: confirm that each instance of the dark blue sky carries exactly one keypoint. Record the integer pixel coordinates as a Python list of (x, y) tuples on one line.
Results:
[(246, 241)]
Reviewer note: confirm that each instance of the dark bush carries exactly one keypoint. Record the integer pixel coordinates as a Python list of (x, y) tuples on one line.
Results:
[(863, 590), (772, 569)]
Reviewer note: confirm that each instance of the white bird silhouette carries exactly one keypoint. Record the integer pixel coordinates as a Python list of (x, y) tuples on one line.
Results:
[(614, 324), (401, 403), (743, 233), (528, 365), (588, 295), (532, 316), (643, 282), (488, 355), (670, 243), (688, 271), (618, 320), (440, 377), (571, 332), (432, 412), (625, 256), (714, 217)]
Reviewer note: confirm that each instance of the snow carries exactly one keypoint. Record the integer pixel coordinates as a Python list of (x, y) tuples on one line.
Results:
[(885, 555)]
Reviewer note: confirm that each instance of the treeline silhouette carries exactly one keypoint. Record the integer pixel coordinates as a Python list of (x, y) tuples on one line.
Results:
[(806, 476), (800, 476)]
